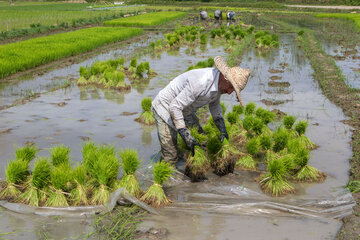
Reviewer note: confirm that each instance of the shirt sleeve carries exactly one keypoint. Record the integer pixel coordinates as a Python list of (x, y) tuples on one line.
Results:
[(185, 98), (215, 108)]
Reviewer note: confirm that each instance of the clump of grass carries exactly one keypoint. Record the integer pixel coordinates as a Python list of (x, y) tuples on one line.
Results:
[(26, 153), (130, 163), (224, 162), (147, 116), (34, 193), (253, 146), (246, 162), (250, 108), (300, 127), (60, 155), (354, 186), (274, 181), (155, 195), (16, 173), (79, 194), (61, 180), (289, 121), (306, 172), (197, 165)]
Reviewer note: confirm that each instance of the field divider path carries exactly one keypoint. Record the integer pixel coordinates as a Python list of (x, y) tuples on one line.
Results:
[(20, 56)]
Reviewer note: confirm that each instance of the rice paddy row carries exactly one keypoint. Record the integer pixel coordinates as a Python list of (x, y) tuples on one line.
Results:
[(355, 17), (150, 19), (53, 182), (20, 56)]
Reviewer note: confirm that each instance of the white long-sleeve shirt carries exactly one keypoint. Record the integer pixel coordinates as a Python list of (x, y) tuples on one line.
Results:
[(186, 93)]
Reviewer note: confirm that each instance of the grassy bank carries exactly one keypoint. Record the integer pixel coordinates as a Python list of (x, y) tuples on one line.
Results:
[(20, 56), (149, 19), (355, 17)]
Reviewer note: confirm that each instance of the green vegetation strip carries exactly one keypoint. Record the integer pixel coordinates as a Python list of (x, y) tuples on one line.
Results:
[(235, 56), (20, 56), (350, 16), (149, 19)]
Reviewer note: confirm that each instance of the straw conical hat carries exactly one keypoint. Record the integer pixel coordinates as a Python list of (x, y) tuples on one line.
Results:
[(237, 76)]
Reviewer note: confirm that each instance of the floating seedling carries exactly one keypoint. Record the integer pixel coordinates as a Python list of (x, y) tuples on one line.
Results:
[(34, 191), (155, 195), (224, 161), (197, 165), (307, 173), (16, 173), (147, 116), (274, 181), (246, 163), (130, 163)]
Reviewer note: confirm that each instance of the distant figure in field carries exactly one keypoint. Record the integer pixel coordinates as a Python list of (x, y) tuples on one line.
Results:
[(203, 15), (218, 15), (230, 16)]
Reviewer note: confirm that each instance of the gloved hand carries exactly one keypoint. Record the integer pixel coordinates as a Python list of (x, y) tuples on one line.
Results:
[(189, 139), (220, 124)]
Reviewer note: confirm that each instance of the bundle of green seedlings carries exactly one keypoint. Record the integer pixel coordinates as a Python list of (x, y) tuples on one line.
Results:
[(157, 45), (196, 166), (182, 34), (155, 195), (140, 71), (265, 40), (106, 74), (17, 172), (147, 116), (202, 64), (130, 163)]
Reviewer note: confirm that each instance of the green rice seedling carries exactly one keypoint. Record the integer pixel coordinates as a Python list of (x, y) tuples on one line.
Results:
[(26, 153), (60, 155), (246, 162), (227, 36), (265, 142), (224, 161), (197, 165), (130, 163), (274, 181), (200, 138), (105, 171), (155, 195), (16, 173), (213, 145), (133, 64), (253, 146), (257, 126), (300, 33), (250, 108), (79, 195), (89, 154), (224, 107), (62, 182), (281, 137), (147, 116), (34, 193), (289, 161), (250, 29), (248, 122), (203, 38), (289, 121), (265, 115), (232, 117), (353, 186), (213, 33), (307, 142), (238, 109), (295, 145), (84, 72), (140, 69), (300, 127), (82, 81), (306, 172)]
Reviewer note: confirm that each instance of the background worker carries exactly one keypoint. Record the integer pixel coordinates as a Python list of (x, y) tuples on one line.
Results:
[(175, 106)]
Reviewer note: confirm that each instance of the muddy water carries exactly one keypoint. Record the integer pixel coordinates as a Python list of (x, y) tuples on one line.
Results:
[(220, 208)]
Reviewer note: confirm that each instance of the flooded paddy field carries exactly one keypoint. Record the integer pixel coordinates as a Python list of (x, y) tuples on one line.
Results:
[(219, 208)]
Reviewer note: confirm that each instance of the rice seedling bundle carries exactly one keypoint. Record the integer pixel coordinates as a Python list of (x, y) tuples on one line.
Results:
[(224, 161), (149, 19), (300, 127), (40, 179), (274, 181), (306, 172), (238, 109), (281, 137), (62, 183), (147, 116), (203, 38), (265, 115), (197, 165), (202, 64), (253, 146), (265, 142), (130, 163), (79, 195), (200, 138), (250, 108), (60, 155), (246, 162), (155, 195), (16, 173), (289, 121), (31, 53), (26, 153), (232, 117)]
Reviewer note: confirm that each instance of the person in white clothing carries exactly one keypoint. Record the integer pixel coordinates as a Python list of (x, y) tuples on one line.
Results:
[(175, 106)]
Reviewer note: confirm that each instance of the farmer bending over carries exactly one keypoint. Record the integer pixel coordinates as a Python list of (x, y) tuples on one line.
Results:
[(175, 106)]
